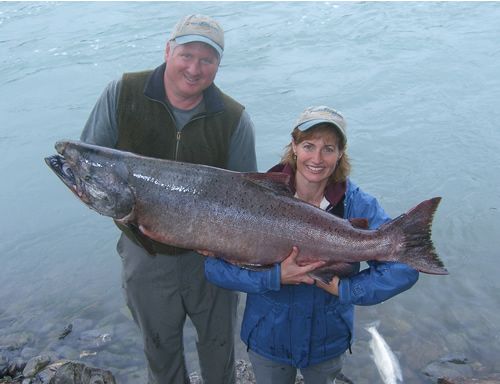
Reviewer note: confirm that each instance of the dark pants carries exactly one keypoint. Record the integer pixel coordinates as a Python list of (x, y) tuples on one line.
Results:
[(270, 372), (160, 292)]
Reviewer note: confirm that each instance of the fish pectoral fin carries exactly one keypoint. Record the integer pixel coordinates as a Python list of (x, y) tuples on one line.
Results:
[(256, 267), (275, 181), (141, 238), (360, 223)]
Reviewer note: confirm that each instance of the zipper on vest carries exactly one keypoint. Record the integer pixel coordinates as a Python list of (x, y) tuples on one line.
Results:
[(177, 141)]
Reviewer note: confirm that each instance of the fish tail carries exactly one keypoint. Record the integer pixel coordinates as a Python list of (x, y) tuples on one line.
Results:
[(415, 246)]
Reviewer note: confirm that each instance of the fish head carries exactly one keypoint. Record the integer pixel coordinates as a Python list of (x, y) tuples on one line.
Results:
[(96, 175)]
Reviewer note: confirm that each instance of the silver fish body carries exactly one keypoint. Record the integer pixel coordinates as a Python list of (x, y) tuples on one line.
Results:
[(245, 218), (386, 361)]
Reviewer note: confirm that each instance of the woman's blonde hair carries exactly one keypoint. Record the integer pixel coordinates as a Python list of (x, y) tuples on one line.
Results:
[(343, 168)]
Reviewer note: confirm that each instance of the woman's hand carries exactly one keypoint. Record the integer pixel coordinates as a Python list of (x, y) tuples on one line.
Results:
[(292, 273), (332, 287)]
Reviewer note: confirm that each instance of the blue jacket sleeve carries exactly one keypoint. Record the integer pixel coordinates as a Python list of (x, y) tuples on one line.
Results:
[(382, 280), (378, 283), (229, 276)]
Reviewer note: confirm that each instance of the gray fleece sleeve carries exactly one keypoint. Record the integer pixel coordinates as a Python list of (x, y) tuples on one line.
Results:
[(242, 156), (101, 127)]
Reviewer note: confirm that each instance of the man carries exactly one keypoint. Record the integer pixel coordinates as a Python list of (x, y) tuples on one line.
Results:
[(176, 112)]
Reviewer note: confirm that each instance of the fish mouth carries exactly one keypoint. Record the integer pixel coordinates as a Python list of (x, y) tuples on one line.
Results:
[(62, 169)]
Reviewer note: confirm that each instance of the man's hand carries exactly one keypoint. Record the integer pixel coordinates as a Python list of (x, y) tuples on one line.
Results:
[(292, 273), (332, 287)]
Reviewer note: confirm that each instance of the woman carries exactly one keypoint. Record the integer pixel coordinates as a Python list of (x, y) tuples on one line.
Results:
[(291, 321)]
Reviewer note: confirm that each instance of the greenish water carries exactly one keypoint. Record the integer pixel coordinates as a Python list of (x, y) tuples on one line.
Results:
[(419, 83)]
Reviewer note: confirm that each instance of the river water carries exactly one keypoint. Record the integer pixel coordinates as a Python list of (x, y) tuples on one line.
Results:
[(419, 84)]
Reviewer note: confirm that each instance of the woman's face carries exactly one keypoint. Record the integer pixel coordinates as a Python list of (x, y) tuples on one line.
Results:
[(317, 156)]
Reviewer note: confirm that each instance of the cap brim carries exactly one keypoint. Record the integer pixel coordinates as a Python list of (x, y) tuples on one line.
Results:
[(311, 123), (202, 39)]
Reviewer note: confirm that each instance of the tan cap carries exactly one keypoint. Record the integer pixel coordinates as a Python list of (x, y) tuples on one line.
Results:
[(199, 28), (319, 115)]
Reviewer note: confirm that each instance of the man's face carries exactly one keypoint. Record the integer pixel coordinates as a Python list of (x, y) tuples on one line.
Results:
[(191, 68)]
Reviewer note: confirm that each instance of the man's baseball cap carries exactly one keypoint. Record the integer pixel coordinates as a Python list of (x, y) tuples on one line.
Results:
[(320, 115), (199, 28)]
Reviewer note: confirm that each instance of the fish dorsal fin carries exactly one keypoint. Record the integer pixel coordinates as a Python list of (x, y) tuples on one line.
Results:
[(275, 181), (360, 223)]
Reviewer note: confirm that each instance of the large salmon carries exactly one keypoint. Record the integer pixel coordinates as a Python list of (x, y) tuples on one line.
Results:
[(245, 218)]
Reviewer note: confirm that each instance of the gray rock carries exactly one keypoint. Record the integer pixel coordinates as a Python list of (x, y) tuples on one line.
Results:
[(4, 364), (449, 366), (36, 364), (71, 372), (16, 366), (28, 352), (78, 373), (490, 379)]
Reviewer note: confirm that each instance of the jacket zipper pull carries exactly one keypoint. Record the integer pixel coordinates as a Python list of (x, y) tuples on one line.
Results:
[(178, 139)]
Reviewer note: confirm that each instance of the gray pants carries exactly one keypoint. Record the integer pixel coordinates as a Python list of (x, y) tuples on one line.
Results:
[(269, 372), (160, 292)]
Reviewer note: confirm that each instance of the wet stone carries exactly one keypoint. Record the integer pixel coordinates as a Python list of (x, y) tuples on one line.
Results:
[(36, 364), (452, 366), (28, 352), (78, 373)]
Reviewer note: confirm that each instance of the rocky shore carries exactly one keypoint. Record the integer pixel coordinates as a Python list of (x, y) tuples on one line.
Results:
[(47, 369), (68, 363)]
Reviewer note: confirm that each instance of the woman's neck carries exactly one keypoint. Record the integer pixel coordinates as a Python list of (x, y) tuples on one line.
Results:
[(312, 193)]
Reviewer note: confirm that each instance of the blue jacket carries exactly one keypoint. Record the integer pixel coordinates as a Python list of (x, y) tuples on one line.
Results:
[(302, 325)]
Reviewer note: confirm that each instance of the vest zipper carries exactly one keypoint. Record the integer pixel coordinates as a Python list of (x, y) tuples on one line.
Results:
[(178, 135), (178, 139)]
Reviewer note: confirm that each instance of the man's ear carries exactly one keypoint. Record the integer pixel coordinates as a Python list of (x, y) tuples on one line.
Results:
[(167, 51)]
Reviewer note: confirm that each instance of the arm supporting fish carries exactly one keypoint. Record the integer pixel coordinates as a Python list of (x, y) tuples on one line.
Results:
[(380, 282), (230, 276)]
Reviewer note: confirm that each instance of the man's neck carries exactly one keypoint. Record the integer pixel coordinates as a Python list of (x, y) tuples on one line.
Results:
[(182, 102)]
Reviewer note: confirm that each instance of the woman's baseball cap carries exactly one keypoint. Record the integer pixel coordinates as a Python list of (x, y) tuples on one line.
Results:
[(312, 116)]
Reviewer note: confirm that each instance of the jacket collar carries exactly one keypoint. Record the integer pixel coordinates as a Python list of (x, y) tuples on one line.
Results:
[(334, 191), (155, 89)]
